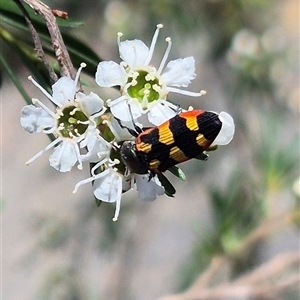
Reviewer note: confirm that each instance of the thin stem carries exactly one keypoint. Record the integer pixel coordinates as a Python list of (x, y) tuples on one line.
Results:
[(37, 42), (58, 44)]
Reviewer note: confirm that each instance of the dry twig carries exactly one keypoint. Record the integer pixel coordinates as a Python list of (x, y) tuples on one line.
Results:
[(59, 47), (37, 42), (268, 282), (261, 283)]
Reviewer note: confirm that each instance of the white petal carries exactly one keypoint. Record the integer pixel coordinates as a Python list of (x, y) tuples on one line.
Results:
[(160, 112), (227, 131), (121, 109), (35, 119), (98, 148), (126, 185), (108, 188), (148, 190), (134, 53), (179, 72), (64, 157), (64, 90), (110, 74), (121, 134), (91, 103)]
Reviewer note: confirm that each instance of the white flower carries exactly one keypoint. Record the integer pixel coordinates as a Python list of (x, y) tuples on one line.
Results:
[(108, 188), (109, 184), (98, 148), (296, 187), (36, 119), (148, 189), (143, 87), (227, 130), (71, 123), (120, 133)]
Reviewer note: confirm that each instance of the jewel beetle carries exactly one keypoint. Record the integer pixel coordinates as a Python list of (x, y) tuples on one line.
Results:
[(184, 136)]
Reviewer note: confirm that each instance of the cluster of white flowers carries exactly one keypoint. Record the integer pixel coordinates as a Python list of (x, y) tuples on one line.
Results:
[(86, 128)]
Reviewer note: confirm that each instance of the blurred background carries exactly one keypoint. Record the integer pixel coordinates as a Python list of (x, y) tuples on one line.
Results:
[(232, 230)]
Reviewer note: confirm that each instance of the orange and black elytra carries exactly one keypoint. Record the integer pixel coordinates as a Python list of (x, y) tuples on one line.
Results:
[(181, 138)]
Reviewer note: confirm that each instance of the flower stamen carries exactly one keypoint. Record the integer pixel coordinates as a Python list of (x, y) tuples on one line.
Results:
[(145, 99), (82, 182), (153, 42), (166, 55), (72, 112), (44, 91), (52, 144), (79, 166), (82, 65), (62, 149), (96, 166), (94, 176), (44, 107), (82, 122), (118, 207), (119, 35), (187, 93)]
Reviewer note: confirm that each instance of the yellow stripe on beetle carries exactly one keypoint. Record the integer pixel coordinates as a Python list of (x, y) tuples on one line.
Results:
[(165, 134), (177, 154)]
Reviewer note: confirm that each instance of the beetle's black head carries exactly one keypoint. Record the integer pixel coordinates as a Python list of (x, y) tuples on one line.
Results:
[(132, 159)]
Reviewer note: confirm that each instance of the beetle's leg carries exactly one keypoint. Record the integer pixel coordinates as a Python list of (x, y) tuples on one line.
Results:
[(175, 107), (151, 175), (137, 130), (134, 133), (179, 109)]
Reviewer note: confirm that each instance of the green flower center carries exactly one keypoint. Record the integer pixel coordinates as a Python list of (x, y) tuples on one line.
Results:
[(72, 122), (144, 89)]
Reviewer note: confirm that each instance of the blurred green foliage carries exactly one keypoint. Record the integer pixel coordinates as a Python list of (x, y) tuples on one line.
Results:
[(60, 283), (15, 33), (252, 59)]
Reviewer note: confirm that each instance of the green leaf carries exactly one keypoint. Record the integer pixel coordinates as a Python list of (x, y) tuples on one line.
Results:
[(28, 57), (14, 79), (10, 9), (177, 172), (212, 148), (78, 50), (203, 156), (169, 188), (98, 202)]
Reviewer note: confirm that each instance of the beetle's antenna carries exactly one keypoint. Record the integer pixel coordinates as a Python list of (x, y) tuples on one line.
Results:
[(137, 128)]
